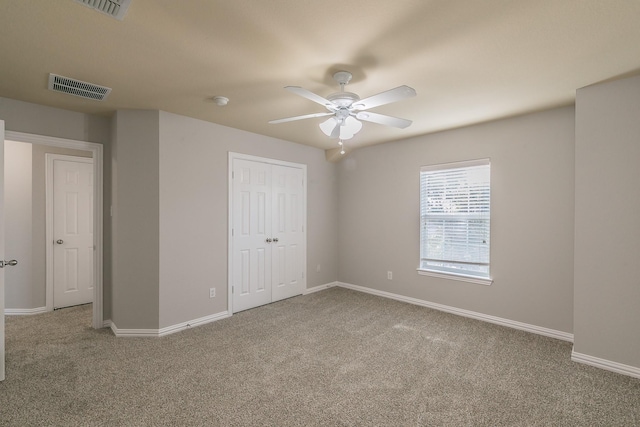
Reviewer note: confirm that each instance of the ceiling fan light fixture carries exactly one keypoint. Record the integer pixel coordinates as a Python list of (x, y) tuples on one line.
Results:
[(354, 126), (328, 125)]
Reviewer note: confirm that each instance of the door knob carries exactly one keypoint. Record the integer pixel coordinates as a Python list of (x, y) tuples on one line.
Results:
[(268, 240), (275, 239), (59, 241), (9, 263)]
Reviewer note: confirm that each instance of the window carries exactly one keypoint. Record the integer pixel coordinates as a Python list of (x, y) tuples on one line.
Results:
[(455, 220)]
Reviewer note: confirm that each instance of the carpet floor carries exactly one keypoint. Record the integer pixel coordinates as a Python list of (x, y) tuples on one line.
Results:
[(332, 358)]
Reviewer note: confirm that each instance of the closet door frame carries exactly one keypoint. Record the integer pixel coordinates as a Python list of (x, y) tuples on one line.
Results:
[(233, 156)]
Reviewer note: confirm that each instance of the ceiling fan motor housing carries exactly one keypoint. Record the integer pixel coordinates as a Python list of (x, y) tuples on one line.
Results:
[(343, 99)]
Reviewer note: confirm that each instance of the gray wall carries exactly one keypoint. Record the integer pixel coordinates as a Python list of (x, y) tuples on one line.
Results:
[(135, 220), (170, 192), (18, 225), (193, 212), (37, 119), (607, 232), (532, 192)]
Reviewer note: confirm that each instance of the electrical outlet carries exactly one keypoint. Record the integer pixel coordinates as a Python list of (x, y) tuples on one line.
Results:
[(212, 292), (390, 275)]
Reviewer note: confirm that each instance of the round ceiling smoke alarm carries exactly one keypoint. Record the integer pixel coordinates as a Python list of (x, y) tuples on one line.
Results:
[(221, 101)]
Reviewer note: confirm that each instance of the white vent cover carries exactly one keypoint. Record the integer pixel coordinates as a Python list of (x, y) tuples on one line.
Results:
[(78, 88), (114, 8)]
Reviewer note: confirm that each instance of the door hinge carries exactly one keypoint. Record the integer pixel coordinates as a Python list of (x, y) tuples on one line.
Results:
[(233, 175), (233, 290), (232, 232)]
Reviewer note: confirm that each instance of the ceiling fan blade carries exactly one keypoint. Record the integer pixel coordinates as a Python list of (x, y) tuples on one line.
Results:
[(383, 120), (306, 116), (310, 96), (387, 97)]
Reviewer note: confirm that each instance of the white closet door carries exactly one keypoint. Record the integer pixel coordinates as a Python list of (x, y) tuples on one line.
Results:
[(251, 227), (268, 253), (287, 231)]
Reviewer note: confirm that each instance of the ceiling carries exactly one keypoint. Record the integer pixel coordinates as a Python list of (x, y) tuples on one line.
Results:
[(470, 61)]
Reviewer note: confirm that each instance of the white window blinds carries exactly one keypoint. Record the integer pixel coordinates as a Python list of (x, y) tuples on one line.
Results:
[(455, 218)]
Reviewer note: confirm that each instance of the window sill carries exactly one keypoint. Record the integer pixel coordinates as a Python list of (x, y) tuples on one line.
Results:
[(459, 277)]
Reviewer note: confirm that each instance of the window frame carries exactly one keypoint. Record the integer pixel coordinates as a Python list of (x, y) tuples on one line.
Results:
[(460, 276)]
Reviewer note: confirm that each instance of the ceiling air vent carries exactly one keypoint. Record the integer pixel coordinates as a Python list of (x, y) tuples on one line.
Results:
[(78, 88), (114, 8)]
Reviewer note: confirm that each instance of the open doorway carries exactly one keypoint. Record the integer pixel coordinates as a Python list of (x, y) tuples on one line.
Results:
[(29, 290)]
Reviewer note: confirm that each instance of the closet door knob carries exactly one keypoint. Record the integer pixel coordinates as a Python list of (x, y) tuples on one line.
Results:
[(59, 241), (275, 239), (268, 240)]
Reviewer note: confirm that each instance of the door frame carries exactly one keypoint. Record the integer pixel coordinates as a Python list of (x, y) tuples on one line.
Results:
[(233, 156), (97, 154), (49, 159)]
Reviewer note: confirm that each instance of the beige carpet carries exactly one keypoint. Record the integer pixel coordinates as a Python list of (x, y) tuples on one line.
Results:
[(333, 358)]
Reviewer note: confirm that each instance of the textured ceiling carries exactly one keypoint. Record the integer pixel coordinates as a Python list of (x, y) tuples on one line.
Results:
[(469, 61)]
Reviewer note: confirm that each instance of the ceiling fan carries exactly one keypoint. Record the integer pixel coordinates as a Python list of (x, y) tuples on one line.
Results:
[(347, 109)]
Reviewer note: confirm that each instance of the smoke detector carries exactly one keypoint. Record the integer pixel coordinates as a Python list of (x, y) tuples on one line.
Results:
[(78, 88), (114, 8), (220, 101)]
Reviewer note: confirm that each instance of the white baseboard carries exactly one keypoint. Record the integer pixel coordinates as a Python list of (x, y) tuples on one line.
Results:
[(608, 365), (167, 330), (565, 336), (106, 323), (24, 311), (319, 288), (192, 323)]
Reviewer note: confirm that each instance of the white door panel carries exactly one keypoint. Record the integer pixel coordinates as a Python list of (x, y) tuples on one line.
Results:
[(251, 229), (288, 191), (73, 232)]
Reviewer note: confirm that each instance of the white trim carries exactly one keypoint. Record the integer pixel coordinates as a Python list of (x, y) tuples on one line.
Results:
[(97, 154), (192, 323), (565, 336), (49, 159), (452, 276), (233, 156), (24, 311), (454, 165), (169, 329), (319, 288), (605, 364), (133, 332), (230, 234)]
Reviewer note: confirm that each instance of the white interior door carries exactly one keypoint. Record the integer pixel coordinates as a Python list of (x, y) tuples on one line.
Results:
[(288, 236), (267, 233), (2, 250), (72, 232)]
